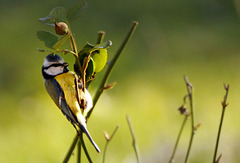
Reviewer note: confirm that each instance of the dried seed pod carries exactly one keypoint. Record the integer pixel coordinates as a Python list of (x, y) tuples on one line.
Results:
[(183, 109), (61, 28)]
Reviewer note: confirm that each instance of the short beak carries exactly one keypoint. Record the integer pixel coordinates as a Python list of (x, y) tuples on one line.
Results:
[(65, 64)]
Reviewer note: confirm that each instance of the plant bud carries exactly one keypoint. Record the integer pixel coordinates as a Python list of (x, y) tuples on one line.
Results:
[(61, 28), (106, 136), (183, 109)]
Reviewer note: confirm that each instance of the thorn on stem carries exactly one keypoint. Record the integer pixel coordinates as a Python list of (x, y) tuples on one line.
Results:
[(106, 135), (198, 126), (224, 104), (109, 86), (219, 157)]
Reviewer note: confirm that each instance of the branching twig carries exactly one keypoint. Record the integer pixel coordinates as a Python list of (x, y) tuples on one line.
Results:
[(224, 105), (107, 142), (134, 143), (189, 88), (71, 149), (79, 151)]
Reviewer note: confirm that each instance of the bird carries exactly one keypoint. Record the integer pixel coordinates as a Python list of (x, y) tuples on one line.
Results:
[(66, 90)]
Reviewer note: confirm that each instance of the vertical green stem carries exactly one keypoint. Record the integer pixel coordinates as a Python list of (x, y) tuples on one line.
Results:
[(85, 148), (134, 143), (107, 142), (100, 38), (112, 63), (189, 88), (178, 138), (71, 150), (79, 151), (224, 105)]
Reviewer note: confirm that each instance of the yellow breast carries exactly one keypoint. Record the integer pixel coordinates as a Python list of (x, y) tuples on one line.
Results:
[(67, 82)]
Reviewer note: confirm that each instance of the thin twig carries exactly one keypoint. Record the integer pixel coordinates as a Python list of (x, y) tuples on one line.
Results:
[(79, 151), (219, 157), (224, 105), (178, 138), (110, 66), (189, 89), (134, 143), (107, 142), (71, 149), (85, 148)]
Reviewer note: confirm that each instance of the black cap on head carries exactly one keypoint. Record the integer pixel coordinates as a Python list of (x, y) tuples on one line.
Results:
[(52, 57)]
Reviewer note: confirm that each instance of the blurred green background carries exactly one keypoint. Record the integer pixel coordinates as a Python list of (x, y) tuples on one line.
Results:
[(199, 39)]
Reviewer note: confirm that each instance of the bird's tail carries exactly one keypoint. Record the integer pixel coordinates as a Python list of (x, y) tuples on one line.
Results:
[(84, 129)]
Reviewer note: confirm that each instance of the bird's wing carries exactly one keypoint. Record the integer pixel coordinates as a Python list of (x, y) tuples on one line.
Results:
[(57, 95), (68, 102)]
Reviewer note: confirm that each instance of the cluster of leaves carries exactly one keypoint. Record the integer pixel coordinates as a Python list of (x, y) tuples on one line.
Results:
[(91, 59), (96, 58)]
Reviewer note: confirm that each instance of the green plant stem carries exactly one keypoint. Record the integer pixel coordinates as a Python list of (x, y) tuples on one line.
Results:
[(189, 89), (107, 142), (71, 149), (178, 138), (100, 38), (110, 66), (85, 148), (224, 105), (74, 49), (134, 142), (79, 151)]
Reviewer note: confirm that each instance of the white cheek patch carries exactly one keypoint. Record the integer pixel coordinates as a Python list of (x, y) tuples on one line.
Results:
[(46, 63), (54, 70)]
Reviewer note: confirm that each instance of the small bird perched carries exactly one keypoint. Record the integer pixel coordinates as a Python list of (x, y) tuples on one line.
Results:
[(67, 92)]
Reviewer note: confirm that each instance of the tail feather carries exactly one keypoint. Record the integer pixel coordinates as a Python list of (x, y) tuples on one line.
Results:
[(84, 129)]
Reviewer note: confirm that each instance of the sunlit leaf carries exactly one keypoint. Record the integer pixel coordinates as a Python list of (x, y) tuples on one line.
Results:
[(48, 38), (100, 58), (76, 11), (60, 42)]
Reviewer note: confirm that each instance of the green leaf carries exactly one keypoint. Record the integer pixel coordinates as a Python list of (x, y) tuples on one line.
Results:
[(60, 42), (90, 69), (58, 13), (47, 20), (48, 38), (103, 45), (100, 58), (76, 11)]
